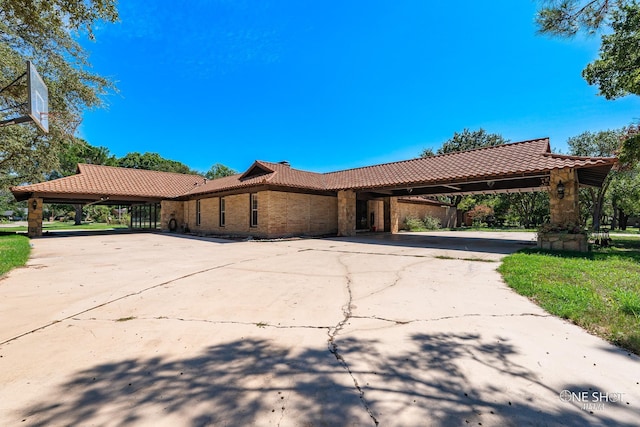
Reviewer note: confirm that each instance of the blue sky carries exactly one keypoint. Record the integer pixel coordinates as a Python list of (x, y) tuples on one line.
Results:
[(333, 85)]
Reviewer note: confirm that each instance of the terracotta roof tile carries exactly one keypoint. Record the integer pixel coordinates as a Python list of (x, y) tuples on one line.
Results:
[(282, 175), (112, 181), (515, 159)]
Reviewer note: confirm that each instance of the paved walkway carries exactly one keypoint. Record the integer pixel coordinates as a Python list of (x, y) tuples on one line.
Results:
[(404, 330)]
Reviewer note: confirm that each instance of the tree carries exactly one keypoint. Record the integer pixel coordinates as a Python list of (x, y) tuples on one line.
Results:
[(625, 196), (617, 71), (599, 144), (77, 151), (219, 170), (47, 33), (154, 162), (467, 140)]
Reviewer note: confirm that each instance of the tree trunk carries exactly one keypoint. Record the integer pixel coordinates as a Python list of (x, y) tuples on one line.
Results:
[(78, 217), (614, 219), (623, 220)]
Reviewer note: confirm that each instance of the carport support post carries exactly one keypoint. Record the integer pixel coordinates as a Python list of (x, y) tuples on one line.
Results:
[(565, 210), (391, 215), (34, 217), (346, 213)]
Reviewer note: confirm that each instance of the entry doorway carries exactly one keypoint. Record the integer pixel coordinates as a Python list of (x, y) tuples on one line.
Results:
[(362, 223)]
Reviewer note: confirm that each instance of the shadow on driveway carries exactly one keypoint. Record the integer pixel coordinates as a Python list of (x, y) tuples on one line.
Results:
[(484, 242), (251, 381)]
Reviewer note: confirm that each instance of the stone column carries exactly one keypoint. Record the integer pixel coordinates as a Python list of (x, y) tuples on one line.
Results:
[(391, 214), (34, 217), (346, 213), (564, 210)]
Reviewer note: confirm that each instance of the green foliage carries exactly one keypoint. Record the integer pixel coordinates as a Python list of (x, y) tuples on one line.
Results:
[(481, 215), (219, 170), (599, 291), (413, 224), (427, 152), (625, 191), (48, 34), (467, 140), (630, 151), (416, 224), (77, 151), (617, 71), (431, 223), (153, 161), (599, 144), (14, 252)]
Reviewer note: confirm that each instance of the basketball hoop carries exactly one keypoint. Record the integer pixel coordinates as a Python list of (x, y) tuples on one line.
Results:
[(36, 107)]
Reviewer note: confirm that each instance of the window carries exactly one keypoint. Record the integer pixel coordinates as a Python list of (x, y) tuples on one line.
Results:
[(198, 212), (254, 209), (222, 212)]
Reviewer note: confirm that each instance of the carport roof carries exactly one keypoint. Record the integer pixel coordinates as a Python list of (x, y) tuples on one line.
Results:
[(502, 161), (522, 162), (93, 182)]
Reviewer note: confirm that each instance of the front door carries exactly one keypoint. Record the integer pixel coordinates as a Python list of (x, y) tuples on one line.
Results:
[(361, 215)]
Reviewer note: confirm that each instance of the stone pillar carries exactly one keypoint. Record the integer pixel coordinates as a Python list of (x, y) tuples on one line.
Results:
[(346, 213), (566, 210), (391, 214), (34, 217)]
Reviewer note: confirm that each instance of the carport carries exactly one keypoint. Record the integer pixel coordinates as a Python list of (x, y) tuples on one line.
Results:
[(525, 166), (140, 190)]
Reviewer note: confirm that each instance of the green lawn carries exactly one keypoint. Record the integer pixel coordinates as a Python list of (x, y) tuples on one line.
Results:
[(14, 252), (599, 291), (68, 225)]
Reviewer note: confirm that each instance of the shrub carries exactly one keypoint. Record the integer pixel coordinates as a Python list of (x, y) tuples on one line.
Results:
[(431, 223), (480, 215), (413, 224)]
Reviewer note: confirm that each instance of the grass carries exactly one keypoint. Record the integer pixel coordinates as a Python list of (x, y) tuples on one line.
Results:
[(599, 290), (14, 252), (67, 225)]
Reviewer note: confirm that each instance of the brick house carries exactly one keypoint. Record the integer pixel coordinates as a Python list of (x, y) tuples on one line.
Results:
[(275, 199)]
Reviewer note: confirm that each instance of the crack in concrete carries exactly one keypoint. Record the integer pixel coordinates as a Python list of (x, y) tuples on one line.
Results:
[(436, 319), (215, 322), (333, 347), (131, 294), (398, 274)]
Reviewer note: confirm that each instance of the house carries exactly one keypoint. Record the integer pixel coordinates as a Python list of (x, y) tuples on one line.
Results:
[(275, 199)]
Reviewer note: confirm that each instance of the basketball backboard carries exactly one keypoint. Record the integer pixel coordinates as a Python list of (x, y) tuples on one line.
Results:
[(18, 106), (38, 98)]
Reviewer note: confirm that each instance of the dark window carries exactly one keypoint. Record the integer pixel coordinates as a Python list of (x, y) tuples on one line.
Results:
[(254, 209), (222, 212), (197, 212)]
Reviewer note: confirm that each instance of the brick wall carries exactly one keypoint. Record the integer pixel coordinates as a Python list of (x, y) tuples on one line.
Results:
[(171, 209), (420, 210), (279, 214)]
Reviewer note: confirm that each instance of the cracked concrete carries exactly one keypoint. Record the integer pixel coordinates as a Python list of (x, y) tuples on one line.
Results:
[(382, 330)]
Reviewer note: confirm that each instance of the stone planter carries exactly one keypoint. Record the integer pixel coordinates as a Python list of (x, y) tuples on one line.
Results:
[(563, 242)]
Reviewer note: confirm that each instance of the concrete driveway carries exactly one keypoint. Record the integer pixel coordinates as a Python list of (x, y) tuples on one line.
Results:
[(404, 330)]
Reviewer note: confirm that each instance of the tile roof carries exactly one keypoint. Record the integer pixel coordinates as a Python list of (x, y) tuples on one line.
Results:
[(113, 181), (524, 158), (516, 159), (278, 174)]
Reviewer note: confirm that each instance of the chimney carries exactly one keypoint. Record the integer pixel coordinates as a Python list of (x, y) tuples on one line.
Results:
[(285, 162)]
